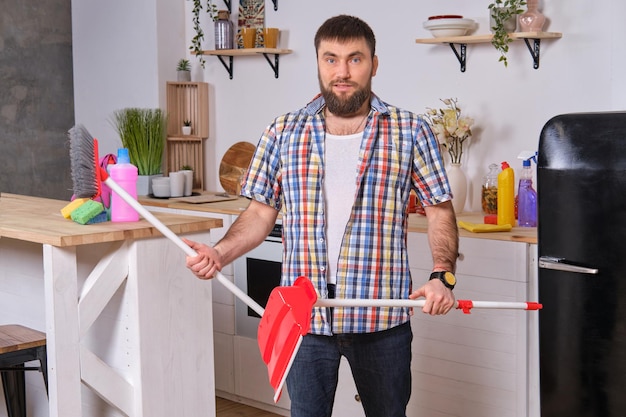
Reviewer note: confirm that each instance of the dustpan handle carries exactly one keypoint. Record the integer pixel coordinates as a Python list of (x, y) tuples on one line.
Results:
[(179, 242), (464, 305)]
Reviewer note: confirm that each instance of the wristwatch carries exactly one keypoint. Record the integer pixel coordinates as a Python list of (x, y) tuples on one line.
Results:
[(447, 277)]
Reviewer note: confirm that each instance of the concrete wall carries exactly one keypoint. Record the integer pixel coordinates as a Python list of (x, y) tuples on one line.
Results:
[(36, 97)]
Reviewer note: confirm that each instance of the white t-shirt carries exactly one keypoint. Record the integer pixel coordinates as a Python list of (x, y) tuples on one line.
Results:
[(341, 159)]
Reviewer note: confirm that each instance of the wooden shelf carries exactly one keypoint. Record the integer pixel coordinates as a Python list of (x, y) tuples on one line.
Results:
[(187, 101), (463, 41), (231, 53)]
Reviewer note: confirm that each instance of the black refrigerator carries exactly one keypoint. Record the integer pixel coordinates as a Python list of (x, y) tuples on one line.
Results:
[(581, 186)]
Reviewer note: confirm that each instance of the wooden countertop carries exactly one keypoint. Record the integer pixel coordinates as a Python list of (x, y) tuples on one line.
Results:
[(39, 220), (417, 223)]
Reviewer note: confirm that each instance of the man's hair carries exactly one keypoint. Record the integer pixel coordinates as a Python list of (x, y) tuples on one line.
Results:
[(344, 28)]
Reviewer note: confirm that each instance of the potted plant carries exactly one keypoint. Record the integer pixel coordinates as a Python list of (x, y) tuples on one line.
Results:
[(503, 20), (142, 132), (183, 69), (196, 41), (187, 127)]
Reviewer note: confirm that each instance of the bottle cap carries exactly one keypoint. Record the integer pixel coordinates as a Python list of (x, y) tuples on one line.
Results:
[(526, 163), (505, 165), (122, 156)]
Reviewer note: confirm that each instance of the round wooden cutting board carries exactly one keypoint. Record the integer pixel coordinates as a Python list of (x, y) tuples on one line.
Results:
[(234, 165)]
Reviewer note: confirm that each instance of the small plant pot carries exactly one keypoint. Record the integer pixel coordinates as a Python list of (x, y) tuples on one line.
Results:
[(186, 130), (183, 76)]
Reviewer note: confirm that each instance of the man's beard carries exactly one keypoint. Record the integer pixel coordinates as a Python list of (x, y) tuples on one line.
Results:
[(345, 106)]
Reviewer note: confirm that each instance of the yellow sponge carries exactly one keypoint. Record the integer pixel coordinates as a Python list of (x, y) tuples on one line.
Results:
[(484, 228), (67, 210), (87, 211)]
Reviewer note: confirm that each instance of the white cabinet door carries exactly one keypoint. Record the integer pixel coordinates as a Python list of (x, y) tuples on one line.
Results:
[(251, 377), (473, 365)]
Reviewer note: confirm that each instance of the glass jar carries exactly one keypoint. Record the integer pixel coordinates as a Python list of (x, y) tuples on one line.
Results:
[(489, 193), (223, 31)]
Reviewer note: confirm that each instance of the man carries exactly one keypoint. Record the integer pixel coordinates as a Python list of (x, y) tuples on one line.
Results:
[(340, 171)]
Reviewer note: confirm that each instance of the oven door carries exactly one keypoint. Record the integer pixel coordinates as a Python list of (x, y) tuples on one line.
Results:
[(257, 273)]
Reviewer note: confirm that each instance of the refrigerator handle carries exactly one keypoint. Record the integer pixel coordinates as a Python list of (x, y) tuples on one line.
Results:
[(550, 262)]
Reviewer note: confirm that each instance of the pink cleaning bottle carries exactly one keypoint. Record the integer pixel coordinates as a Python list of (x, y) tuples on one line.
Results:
[(125, 175)]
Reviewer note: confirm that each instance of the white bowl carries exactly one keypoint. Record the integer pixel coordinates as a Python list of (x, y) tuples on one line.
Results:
[(449, 27)]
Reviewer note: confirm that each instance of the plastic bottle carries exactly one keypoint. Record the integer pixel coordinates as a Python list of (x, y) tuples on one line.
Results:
[(125, 175), (223, 31), (527, 197), (506, 195)]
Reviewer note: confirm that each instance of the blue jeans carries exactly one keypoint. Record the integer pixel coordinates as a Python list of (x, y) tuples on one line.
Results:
[(380, 364)]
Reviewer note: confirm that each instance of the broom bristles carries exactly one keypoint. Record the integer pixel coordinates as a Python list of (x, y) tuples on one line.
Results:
[(82, 157)]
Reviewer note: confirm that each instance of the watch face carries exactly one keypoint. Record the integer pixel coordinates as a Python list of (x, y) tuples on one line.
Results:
[(450, 278)]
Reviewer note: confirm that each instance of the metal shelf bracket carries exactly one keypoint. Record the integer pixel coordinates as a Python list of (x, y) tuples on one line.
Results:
[(273, 65), (229, 66), (462, 55), (534, 51)]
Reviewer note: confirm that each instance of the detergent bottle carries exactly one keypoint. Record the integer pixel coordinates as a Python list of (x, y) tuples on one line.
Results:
[(526, 194), (506, 195), (125, 175)]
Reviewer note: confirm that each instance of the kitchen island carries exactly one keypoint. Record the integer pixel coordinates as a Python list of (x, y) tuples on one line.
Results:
[(129, 329)]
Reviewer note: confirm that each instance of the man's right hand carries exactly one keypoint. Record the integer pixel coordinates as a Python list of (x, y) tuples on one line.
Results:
[(206, 263)]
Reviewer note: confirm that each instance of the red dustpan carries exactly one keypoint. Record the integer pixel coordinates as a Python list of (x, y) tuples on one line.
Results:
[(287, 319)]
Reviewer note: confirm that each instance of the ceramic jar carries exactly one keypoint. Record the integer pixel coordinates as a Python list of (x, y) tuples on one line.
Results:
[(532, 20)]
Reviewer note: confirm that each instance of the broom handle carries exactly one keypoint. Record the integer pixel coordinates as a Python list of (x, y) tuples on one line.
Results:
[(179, 242)]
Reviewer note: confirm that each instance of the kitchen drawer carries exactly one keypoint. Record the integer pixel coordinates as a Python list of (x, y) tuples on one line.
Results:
[(481, 257)]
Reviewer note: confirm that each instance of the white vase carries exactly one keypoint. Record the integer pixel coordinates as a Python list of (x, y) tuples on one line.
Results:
[(458, 185)]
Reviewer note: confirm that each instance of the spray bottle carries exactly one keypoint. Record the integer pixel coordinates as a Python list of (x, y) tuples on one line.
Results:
[(506, 195), (527, 196), (125, 174)]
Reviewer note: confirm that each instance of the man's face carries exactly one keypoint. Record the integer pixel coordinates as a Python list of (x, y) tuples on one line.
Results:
[(345, 72)]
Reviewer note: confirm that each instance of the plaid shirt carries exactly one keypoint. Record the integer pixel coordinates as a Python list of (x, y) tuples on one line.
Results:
[(398, 152)]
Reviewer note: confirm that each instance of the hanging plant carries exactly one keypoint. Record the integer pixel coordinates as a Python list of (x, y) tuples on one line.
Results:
[(501, 11), (196, 41)]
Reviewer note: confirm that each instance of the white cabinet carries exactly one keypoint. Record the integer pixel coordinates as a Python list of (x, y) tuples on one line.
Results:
[(251, 378), (473, 365)]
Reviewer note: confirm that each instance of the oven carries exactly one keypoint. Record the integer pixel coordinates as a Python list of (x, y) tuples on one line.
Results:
[(257, 273)]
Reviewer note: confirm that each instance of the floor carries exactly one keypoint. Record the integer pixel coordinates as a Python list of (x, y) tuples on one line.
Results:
[(226, 408)]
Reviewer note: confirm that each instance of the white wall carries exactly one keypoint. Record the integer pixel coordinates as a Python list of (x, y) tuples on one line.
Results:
[(117, 56)]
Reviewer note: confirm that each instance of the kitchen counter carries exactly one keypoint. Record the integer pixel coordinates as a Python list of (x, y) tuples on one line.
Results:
[(128, 327), (417, 222)]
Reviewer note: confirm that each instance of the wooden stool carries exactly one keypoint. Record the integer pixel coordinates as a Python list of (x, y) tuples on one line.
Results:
[(18, 345)]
